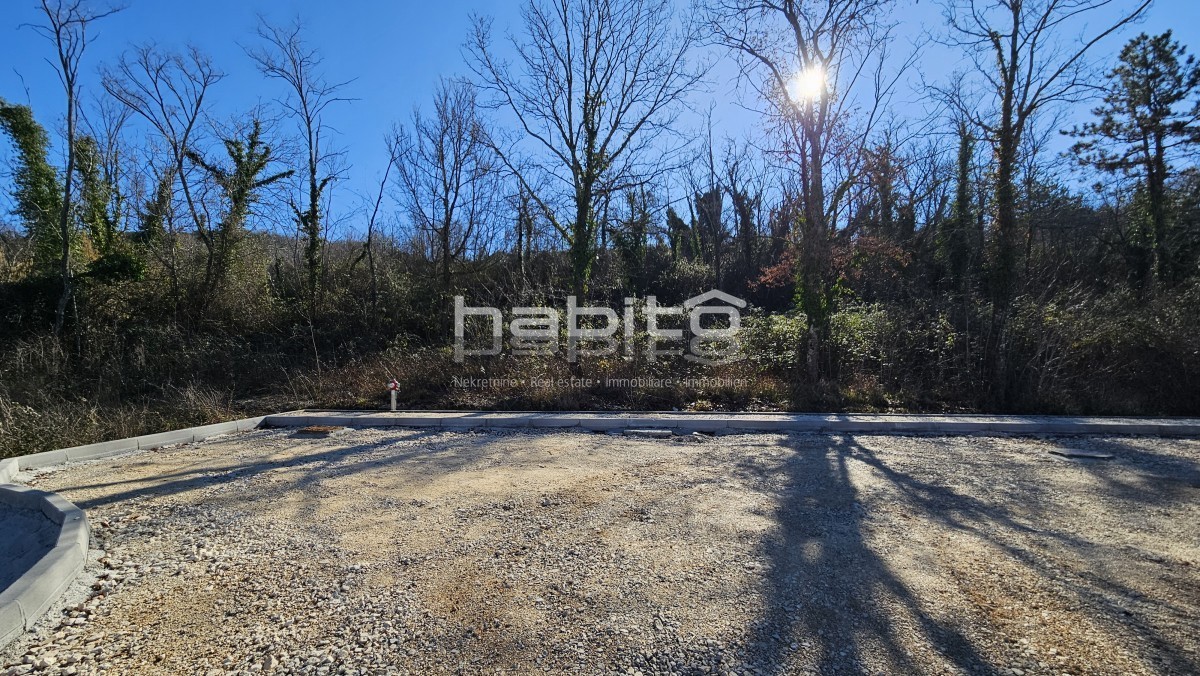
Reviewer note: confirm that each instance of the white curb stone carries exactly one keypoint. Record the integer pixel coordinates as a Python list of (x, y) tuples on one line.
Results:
[(24, 602)]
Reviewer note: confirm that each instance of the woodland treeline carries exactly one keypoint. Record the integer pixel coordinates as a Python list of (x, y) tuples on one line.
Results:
[(162, 265)]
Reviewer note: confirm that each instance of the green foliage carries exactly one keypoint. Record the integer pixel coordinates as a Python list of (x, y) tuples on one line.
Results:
[(1113, 353), (682, 238), (1146, 103), (814, 298), (156, 212), (954, 235), (1147, 118), (37, 191), (100, 202), (240, 184), (774, 341), (709, 227), (683, 279), (629, 238), (116, 266), (860, 333)]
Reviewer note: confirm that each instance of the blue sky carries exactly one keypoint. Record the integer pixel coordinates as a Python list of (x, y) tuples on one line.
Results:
[(394, 52)]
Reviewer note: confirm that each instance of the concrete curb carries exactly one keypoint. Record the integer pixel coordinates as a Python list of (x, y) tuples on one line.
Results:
[(25, 601), (603, 421), (748, 422), (106, 449), (8, 470)]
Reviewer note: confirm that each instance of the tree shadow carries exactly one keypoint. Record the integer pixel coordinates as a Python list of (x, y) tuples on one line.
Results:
[(830, 598), (1157, 478), (833, 599), (322, 464)]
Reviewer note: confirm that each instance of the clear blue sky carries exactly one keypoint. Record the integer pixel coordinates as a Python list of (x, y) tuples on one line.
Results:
[(393, 50)]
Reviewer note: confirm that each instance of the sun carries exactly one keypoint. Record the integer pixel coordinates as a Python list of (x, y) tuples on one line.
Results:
[(807, 85)]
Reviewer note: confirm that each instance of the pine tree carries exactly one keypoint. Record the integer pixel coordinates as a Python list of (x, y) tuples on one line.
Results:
[(1147, 115)]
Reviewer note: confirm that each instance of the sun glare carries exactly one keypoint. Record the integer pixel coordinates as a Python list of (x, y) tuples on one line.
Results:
[(807, 85)]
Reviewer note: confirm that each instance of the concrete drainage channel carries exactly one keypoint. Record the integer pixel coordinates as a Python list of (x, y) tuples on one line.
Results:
[(50, 569)]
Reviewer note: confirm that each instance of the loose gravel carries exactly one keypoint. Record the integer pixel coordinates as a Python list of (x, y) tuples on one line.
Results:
[(423, 552)]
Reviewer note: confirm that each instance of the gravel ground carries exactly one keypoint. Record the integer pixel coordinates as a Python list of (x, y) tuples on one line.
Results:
[(386, 551)]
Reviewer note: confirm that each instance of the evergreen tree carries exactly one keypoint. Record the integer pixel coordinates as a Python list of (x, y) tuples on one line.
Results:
[(1147, 114)]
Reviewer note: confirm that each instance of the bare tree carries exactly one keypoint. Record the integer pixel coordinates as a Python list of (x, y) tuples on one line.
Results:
[(1024, 62), (287, 57), (368, 250), (806, 59), (66, 27), (240, 183), (168, 91), (707, 203), (448, 177), (104, 173), (595, 90)]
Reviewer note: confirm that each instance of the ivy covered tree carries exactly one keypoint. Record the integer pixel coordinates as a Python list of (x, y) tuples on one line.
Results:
[(954, 236), (37, 191), (629, 238), (240, 185), (1150, 112), (100, 203)]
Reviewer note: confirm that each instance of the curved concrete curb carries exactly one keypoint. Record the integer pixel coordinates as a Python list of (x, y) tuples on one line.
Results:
[(749, 422), (27, 599), (8, 470)]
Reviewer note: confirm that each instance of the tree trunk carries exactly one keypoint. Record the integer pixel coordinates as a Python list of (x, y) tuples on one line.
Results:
[(1004, 262), (814, 261), (444, 236), (581, 244), (64, 220), (1158, 211)]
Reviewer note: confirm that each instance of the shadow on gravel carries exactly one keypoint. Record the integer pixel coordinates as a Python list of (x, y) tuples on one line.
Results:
[(1158, 478), (833, 602), (828, 594), (833, 598), (322, 464)]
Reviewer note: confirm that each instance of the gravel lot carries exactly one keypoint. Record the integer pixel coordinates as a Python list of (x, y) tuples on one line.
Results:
[(389, 551)]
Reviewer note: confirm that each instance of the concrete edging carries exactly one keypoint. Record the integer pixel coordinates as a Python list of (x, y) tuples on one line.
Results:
[(105, 449), (8, 470), (748, 422), (31, 596), (25, 601)]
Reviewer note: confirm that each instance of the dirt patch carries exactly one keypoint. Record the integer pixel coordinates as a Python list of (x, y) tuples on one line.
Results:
[(429, 552)]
